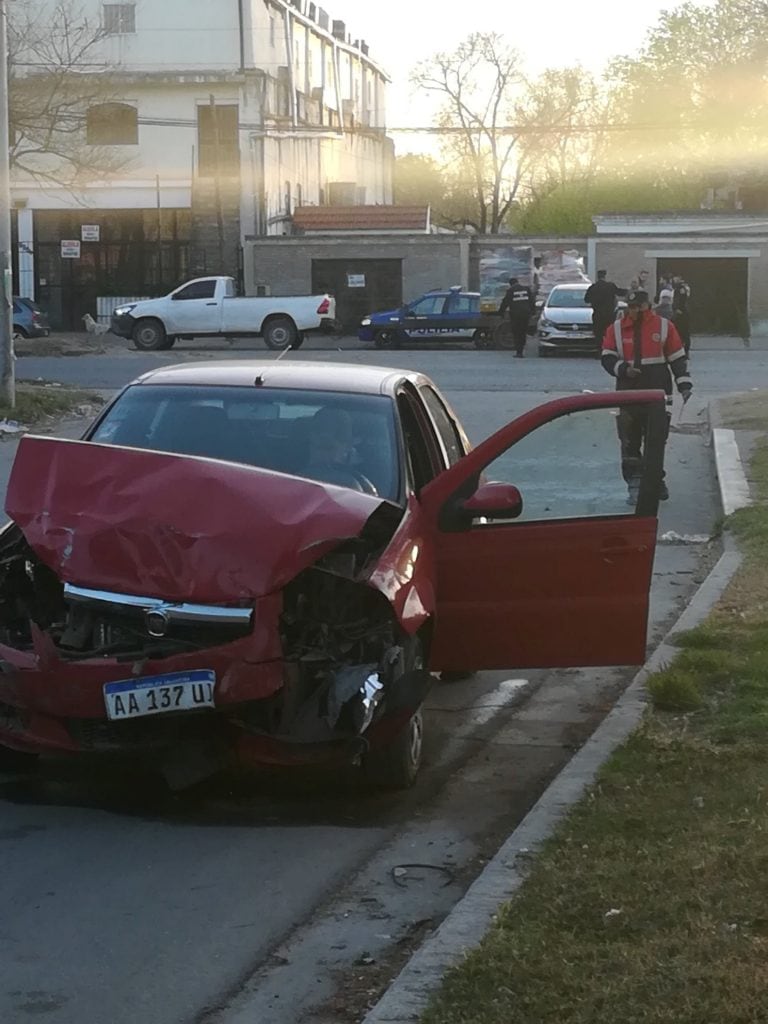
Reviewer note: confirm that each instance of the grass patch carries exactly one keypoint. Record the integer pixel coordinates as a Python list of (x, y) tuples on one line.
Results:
[(38, 404), (746, 412), (649, 906)]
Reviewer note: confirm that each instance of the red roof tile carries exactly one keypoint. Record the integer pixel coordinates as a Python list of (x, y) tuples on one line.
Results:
[(361, 218)]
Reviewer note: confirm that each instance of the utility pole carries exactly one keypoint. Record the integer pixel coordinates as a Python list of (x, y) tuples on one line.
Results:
[(7, 372)]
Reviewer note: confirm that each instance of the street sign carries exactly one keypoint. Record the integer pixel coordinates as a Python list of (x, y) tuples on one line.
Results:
[(90, 232), (70, 248), (355, 280)]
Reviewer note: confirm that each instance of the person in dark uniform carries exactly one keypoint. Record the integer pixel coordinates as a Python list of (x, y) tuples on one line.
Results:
[(602, 296), (520, 302), (643, 351), (681, 317)]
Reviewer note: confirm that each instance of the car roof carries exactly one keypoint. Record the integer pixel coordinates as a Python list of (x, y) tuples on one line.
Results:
[(572, 287), (451, 291), (349, 377)]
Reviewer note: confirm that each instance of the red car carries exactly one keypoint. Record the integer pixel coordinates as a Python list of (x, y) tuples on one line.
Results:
[(262, 562)]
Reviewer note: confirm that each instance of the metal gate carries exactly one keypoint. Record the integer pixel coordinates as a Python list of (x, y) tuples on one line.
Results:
[(360, 286)]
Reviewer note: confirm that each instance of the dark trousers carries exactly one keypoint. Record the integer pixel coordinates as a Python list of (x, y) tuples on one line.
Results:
[(632, 425), (682, 322), (519, 333), (601, 321)]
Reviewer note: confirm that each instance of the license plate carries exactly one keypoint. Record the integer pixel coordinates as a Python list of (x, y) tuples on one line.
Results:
[(158, 695)]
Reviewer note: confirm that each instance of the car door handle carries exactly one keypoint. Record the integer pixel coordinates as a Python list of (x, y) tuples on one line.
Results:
[(211, 303)]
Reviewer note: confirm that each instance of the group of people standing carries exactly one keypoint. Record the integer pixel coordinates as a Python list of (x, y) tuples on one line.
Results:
[(671, 302)]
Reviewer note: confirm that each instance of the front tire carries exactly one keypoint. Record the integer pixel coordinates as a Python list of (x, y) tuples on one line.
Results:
[(150, 336), (386, 339), (482, 338), (396, 764), (280, 333)]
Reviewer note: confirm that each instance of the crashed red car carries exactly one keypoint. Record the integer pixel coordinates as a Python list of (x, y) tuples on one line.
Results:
[(263, 562)]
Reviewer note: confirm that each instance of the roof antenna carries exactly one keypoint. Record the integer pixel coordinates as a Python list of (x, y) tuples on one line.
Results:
[(285, 352)]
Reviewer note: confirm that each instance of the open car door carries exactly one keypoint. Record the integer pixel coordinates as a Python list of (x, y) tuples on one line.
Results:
[(543, 556)]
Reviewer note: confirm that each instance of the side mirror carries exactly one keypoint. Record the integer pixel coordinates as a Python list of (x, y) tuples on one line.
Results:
[(494, 501)]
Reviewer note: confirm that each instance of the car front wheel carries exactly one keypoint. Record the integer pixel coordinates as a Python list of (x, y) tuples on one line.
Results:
[(149, 336), (386, 339), (396, 764)]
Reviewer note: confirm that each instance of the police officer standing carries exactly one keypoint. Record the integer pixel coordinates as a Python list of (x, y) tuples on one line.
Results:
[(520, 302), (643, 350), (601, 296)]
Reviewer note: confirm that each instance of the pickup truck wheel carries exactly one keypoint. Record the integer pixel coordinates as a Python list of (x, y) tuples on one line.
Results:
[(280, 333), (150, 336), (482, 338)]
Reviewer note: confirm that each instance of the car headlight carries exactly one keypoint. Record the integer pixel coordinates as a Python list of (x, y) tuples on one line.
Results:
[(544, 322), (366, 322), (123, 310)]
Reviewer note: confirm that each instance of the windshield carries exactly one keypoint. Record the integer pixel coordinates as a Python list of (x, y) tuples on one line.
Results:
[(567, 298), (344, 439)]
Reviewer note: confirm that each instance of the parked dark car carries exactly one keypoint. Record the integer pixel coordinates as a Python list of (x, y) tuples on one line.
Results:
[(261, 562), (448, 315), (29, 321)]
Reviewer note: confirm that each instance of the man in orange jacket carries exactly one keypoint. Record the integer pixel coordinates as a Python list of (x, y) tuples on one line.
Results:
[(643, 351)]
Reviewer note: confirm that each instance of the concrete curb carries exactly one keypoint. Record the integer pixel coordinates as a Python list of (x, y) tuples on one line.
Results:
[(734, 489), (465, 927)]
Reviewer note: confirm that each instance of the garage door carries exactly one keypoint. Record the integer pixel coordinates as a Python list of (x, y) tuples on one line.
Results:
[(360, 286), (718, 292)]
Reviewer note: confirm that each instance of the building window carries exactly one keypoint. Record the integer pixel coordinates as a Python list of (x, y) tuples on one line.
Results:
[(271, 31), (112, 124), (218, 137), (119, 19)]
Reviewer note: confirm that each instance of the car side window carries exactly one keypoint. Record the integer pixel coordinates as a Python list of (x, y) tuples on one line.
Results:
[(197, 290), (462, 304), (445, 426), (428, 306), (421, 449), (16, 306), (572, 468)]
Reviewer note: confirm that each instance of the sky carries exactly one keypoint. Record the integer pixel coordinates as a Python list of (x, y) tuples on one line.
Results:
[(548, 33)]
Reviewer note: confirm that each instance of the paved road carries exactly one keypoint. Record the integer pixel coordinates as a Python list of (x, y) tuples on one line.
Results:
[(125, 904)]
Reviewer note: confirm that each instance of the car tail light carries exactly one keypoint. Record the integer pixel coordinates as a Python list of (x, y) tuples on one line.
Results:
[(325, 307), (35, 316)]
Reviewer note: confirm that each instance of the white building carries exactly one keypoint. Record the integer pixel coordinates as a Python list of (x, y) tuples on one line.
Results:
[(227, 115)]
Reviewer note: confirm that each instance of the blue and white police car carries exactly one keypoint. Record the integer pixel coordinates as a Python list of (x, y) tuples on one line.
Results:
[(450, 315)]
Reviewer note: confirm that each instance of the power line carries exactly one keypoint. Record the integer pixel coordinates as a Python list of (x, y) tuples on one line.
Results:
[(361, 129)]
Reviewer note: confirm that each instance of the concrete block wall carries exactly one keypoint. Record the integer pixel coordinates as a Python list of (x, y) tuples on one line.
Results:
[(285, 264)]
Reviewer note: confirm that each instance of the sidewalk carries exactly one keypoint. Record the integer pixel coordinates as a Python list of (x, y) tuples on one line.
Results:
[(506, 980)]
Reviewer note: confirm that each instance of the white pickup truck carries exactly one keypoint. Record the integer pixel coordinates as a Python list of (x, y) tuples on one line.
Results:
[(209, 307)]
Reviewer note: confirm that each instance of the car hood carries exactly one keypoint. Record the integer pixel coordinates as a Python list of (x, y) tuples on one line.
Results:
[(176, 527), (387, 314), (576, 315)]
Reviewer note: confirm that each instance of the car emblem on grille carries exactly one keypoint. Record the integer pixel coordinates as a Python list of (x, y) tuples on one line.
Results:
[(156, 623)]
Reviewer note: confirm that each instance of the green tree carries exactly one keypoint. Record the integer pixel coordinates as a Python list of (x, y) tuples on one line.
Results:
[(695, 98)]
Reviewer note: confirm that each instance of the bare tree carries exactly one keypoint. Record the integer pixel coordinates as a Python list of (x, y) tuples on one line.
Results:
[(56, 74), (479, 86), (563, 136)]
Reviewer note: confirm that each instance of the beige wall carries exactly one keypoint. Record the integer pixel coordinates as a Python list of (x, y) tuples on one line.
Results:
[(429, 261), (624, 256)]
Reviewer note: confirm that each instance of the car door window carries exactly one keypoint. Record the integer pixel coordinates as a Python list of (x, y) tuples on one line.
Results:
[(463, 304), (428, 306), (197, 290), (571, 467), (421, 446), (445, 426)]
